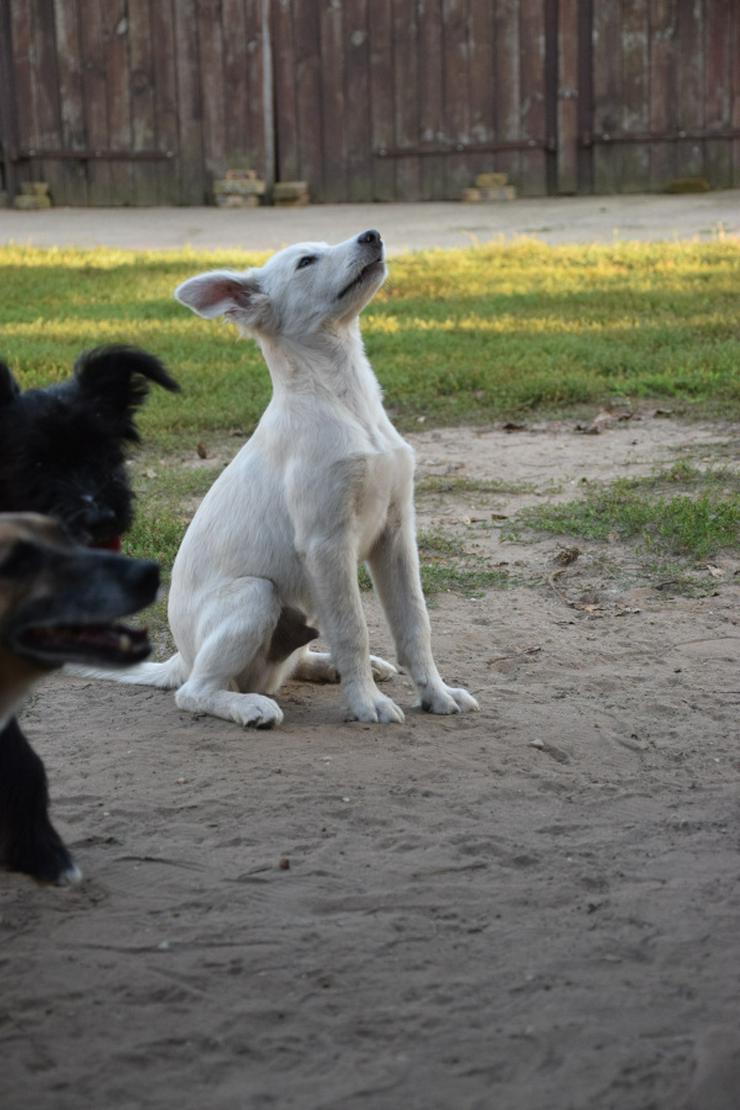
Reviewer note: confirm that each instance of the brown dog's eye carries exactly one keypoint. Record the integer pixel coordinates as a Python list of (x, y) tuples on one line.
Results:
[(305, 261)]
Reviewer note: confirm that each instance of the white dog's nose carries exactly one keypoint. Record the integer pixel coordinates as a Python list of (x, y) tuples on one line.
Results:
[(372, 236)]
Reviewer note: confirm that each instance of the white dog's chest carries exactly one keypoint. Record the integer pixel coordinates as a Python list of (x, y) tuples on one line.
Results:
[(386, 485)]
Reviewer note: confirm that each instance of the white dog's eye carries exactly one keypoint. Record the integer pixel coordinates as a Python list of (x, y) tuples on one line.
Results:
[(305, 261)]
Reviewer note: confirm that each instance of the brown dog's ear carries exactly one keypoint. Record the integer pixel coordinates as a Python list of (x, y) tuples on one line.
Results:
[(238, 297), (9, 388)]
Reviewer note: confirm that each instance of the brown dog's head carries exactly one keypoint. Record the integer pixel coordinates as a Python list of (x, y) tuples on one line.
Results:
[(60, 603)]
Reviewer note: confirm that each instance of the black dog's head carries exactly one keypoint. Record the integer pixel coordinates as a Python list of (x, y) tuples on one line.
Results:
[(63, 449)]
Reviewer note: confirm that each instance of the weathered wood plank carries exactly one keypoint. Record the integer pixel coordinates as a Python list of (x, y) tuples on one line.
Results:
[(585, 106), (607, 31), (211, 67), (308, 96), (45, 79), (22, 39), (508, 86), (334, 136), (8, 138), (459, 170), (635, 94), (165, 100), (481, 84), (717, 91), (532, 91), (118, 88), (73, 187), (286, 108), (568, 93), (234, 65), (143, 120), (663, 103), (690, 154), (356, 99), (735, 92), (431, 99), (381, 97), (95, 98), (406, 98), (189, 104), (259, 113)]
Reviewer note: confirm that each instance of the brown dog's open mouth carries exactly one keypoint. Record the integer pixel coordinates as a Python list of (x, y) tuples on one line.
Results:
[(112, 543), (109, 644)]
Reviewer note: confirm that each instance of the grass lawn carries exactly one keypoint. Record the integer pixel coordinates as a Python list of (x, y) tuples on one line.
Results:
[(490, 332), (476, 334), (696, 522)]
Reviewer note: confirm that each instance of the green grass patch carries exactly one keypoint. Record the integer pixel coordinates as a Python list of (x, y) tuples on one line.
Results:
[(470, 577), (451, 483), (487, 332), (695, 524), (167, 494), (447, 567)]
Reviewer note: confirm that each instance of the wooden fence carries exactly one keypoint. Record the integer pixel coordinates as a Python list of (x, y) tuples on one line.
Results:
[(144, 101)]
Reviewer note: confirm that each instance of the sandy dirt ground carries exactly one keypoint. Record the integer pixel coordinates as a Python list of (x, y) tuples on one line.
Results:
[(404, 226), (531, 908)]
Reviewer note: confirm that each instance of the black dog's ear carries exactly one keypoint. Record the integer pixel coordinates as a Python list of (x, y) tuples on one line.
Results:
[(9, 388), (116, 378)]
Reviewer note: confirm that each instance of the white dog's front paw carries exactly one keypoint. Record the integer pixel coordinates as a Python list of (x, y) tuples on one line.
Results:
[(447, 699), (256, 711), (374, 708), (382, 669)]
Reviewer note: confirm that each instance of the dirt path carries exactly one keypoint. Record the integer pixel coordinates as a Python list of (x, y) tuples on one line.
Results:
[(404, 226), (533, 908)]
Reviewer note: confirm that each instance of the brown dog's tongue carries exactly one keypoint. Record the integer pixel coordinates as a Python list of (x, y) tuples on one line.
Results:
[(113, 544)]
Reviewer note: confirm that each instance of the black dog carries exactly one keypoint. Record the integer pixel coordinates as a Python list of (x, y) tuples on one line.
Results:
[(63, 453), (62, 449), (59, 603)]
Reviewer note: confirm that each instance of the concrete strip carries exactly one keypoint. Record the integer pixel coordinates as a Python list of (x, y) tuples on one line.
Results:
[(404, 226)]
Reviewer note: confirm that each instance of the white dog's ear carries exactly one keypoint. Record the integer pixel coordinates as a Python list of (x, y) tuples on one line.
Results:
[(224, 293)]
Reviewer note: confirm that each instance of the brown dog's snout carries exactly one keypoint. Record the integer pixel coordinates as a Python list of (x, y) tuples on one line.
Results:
[(146, 577)]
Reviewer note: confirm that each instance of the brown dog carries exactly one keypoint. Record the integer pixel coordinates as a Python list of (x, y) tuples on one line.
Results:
[(59, 603)]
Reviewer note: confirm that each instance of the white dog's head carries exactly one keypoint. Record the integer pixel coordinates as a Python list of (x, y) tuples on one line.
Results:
[(300, 291)]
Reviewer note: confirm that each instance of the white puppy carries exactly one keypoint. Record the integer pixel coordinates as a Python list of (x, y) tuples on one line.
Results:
[(325, 482)]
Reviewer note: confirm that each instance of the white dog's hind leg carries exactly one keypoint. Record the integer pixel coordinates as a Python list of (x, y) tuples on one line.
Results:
[(240, 625), (317, 666), (394, 567)]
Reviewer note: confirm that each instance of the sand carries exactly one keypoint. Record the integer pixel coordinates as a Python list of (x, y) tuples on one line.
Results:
[(531, 908), (421, 226)]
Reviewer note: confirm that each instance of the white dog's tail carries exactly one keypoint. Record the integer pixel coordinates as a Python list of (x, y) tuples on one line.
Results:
[(167, 676)]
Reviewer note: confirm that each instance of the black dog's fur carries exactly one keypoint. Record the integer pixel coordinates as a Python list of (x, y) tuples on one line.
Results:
[(63, 454), (28, 840), (62, 449)]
